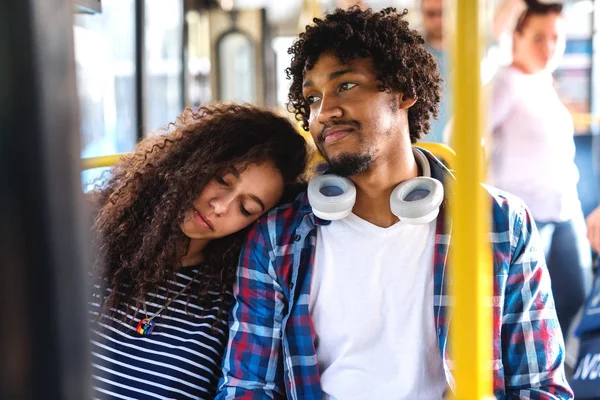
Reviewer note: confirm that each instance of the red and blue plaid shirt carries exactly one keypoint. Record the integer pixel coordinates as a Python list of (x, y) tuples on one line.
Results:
[(271, 352)]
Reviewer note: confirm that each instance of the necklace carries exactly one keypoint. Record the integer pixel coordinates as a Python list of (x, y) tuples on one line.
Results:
[(146, 325)]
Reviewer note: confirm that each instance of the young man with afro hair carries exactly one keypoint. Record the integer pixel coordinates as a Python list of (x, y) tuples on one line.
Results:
[(358, 307)]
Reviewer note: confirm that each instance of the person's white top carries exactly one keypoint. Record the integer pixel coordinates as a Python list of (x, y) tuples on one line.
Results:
[(371, 303), (533, 149)]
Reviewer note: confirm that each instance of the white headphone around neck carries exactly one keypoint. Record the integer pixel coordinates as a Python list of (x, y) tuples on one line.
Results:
[(415, 201)]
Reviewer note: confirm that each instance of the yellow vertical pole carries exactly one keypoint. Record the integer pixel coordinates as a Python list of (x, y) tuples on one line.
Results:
[(470, 257), (315, 8), (310, 9)]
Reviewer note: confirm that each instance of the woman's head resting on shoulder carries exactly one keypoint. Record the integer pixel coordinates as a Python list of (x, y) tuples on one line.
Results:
[(265, 159), (232, 200), (199, 186)]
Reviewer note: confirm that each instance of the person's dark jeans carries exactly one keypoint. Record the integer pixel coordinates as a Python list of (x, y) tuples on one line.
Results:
[(568, 255)]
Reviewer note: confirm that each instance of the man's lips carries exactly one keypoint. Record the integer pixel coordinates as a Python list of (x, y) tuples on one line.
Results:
[(335, 133)]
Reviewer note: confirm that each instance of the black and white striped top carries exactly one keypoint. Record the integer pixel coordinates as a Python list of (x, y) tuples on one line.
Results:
[(181, 359)]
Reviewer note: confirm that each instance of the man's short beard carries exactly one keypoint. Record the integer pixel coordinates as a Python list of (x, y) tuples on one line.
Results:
[(350, 164)]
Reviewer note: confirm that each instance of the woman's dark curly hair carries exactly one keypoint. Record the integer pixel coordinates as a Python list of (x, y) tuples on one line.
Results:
[(402, 63), (142, 206)]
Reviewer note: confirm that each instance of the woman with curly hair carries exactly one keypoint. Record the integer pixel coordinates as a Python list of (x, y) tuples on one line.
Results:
[(170, 225)]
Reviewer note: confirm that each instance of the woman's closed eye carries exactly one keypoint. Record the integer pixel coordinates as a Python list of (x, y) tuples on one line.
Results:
[(222, 181), (251, 206), (244, 211)]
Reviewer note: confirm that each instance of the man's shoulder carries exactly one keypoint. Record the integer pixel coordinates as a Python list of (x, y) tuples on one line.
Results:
[(286, 218), (510, 229), (509, 212), (503, 198)]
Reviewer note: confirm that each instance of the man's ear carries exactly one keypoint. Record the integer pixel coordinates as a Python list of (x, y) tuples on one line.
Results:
[(405, 102)]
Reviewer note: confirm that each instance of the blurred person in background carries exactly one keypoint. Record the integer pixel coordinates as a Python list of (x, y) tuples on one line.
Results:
[(533, 151), (433, 33), (171, 222)]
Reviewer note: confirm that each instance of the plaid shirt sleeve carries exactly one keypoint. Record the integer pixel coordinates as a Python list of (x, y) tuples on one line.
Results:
[(532, 342), (252, 365)]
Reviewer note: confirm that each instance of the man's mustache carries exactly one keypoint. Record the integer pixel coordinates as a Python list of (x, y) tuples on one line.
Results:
[(354, 124)]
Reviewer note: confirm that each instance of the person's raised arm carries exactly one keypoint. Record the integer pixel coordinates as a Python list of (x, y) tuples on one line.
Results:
[(505, 17), (593, 229), (593, 220)]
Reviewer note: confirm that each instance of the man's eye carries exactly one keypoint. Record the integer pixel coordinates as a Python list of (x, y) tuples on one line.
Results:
[(312, 99), (220, 180), (347, 86)]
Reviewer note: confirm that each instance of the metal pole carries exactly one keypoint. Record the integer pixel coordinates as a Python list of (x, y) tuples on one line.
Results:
[(140, 71), (184, 55), (43, 325), (470, 257)]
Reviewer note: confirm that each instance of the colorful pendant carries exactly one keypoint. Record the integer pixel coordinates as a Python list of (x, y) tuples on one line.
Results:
[(145, 327)]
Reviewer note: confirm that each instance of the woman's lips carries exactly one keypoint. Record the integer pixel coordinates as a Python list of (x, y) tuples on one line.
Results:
[(203, 221)]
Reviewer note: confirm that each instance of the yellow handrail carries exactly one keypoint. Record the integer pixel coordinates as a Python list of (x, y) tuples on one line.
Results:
[(440, 150), (582, 119), (470, 255), (99, 162)]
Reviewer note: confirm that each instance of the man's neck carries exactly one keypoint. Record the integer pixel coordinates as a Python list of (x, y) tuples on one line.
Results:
[(374, 188)]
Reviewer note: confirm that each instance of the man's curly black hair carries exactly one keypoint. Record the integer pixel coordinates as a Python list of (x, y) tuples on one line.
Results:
[(402, 63)]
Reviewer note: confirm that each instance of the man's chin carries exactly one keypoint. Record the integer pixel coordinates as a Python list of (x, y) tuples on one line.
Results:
[(349, 164)]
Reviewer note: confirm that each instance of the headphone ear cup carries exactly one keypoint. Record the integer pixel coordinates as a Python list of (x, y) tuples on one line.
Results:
[(331, 197), (417, 200)]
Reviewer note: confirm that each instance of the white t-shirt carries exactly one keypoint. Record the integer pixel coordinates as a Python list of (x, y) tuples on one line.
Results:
[(371, 302), (533, 148)]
